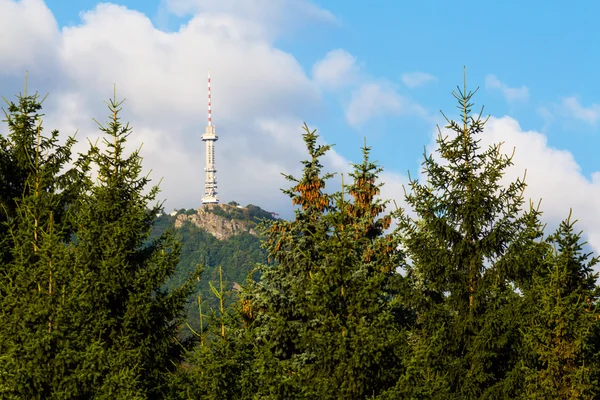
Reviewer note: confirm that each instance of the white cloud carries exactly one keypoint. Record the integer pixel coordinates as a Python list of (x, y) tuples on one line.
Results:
[(416, 79), (259, 96), (273, 16), (372, 100), (337, 69), (29, 34), (573, 108), (510, 94), (259, 93)]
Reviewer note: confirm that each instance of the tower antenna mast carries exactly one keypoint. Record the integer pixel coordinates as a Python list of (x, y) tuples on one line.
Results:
[(209, 102), (210, 137)]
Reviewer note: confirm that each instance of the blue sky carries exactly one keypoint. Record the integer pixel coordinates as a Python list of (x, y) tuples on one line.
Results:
[(352, 69), (546, 46)]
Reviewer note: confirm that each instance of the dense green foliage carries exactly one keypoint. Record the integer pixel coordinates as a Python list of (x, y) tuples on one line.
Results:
[(83, 315), (463, 295), (237, 257), (562, 333), (37, 308)]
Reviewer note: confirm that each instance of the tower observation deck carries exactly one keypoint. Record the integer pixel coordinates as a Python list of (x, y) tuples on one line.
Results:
[(210, 137)]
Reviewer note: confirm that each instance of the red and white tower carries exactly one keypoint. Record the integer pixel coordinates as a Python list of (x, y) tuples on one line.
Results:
[(210, 137)]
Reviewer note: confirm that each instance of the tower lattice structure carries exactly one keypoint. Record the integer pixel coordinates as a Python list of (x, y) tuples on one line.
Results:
[(210, 137)]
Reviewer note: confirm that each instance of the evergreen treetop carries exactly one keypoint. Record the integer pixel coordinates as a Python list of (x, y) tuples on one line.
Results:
[(465, 221), (322, 316), (38, 285), (132, 323), (561, 321)]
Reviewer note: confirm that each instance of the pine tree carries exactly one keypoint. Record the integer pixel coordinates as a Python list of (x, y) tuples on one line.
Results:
[(560, 328), (465, 222), (38, 286), (132, 324)]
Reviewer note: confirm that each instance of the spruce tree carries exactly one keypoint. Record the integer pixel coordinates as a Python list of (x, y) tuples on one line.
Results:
[(358, 341), (465, 221), (38, 286), (280, 307), (561, 324), (219, 366), (132, 324), (323, 318), (522, 262), (18, 149)]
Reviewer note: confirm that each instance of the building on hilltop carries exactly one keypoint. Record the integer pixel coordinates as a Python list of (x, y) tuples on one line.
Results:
[(210, 137)]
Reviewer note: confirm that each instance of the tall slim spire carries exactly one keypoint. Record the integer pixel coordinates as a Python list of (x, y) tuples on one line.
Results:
[(209, 105), (210, 137)]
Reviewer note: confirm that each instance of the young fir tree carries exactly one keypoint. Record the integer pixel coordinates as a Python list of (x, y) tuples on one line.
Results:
[(323, 318), (218, 367), (561, 325), (132, 324), (465, 221), (38, 284)]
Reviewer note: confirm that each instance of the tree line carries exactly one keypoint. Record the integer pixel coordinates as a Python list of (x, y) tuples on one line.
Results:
[(462, 295)]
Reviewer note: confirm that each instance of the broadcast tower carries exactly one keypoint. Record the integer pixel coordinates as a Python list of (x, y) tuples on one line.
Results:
[(210, 137)]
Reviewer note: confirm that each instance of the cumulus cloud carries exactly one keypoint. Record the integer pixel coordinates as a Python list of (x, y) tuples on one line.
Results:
[(259, 93), (511, 94), (337, 69), (29, 35), (373, 100), (573, 108), (416, 79), (271, 16)]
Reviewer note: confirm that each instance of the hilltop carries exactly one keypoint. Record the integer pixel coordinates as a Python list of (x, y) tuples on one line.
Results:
[(223, 220), (215, 235)]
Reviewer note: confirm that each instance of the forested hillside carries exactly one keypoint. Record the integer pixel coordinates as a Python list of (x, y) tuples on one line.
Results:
[(467, 297), (235, 256)]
